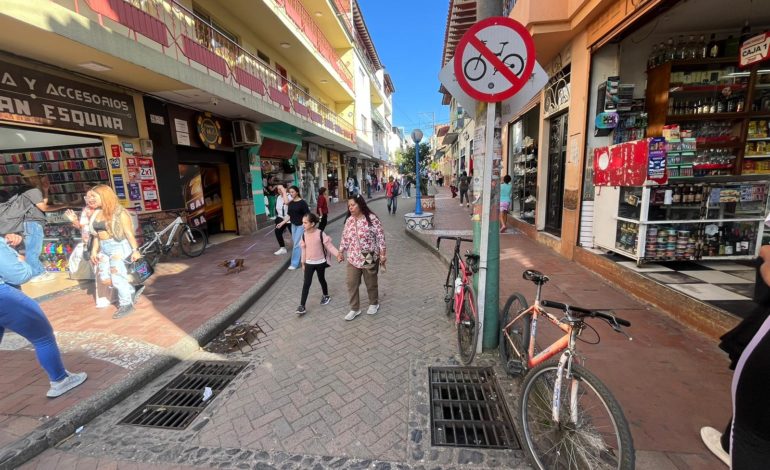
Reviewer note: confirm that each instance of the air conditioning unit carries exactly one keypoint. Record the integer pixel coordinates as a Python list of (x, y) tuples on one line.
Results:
[(146, 147), (245, 134)]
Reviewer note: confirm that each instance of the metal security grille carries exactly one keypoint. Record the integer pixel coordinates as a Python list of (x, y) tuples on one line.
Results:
[(467, 409), (177, 404)]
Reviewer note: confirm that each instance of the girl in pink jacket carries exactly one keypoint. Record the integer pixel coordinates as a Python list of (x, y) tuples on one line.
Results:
[(317, 249)]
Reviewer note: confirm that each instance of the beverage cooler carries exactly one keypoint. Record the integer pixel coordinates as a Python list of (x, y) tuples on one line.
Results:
[(711, 218)]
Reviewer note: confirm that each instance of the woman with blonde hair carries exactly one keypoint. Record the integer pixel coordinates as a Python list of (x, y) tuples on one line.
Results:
[(113, 242)]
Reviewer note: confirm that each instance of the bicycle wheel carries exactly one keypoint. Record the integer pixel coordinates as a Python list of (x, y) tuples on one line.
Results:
[(515, 62), (449, 289), (467, 334), (518, 334), (475, 74), (599, 439), (192, 241)]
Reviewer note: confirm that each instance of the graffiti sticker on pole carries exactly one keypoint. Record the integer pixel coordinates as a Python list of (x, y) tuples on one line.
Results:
[(494, 59)]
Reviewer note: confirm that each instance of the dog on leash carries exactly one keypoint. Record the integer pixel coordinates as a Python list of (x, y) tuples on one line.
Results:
[(234, 265)]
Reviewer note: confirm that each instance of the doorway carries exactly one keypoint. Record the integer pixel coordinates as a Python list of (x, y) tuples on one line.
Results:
[(557, 155)]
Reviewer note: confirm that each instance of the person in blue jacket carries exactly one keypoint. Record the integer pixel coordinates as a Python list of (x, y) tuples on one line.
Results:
[(23, 315)]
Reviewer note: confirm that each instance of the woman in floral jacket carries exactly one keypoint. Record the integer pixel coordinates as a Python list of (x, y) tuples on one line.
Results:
[(363, 241)]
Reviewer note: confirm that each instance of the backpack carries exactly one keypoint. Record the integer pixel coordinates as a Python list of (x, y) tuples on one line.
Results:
[(13, 213), (326, 255), (396, 188)]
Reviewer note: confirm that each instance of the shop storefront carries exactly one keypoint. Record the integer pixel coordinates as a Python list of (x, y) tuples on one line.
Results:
[(700, 190), (65, 135), (334, 176), (522, 163)]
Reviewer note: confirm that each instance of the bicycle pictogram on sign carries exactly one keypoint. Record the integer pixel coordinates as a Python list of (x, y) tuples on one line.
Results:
[(494, 59)]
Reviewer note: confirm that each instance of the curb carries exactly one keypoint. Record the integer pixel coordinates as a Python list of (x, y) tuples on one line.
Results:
[(421, 240), (58, 428)]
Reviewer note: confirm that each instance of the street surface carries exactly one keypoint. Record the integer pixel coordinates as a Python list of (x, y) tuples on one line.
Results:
[(320, 392)]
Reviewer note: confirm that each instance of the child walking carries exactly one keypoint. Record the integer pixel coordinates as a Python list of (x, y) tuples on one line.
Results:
[(317, 250)]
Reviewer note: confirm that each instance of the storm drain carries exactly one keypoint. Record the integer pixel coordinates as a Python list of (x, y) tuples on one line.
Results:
[(467, 409), (177, 404)]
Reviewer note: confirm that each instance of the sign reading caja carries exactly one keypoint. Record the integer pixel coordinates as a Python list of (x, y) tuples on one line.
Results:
[(32, 96)]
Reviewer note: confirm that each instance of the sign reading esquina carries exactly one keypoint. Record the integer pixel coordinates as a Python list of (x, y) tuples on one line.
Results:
[(31, 96)]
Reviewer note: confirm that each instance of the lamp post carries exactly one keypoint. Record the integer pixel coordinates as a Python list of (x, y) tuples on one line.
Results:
[(416, 138)]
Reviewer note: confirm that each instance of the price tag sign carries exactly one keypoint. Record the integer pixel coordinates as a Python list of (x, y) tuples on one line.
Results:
[(494, 59)]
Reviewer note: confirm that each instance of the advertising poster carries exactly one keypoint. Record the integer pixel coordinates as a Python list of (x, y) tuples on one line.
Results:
[(120, 189), (115, 150), (146, 169), (133, 174), (150, 196), (192, 193), (131, 161), (134, 192), (656, 161)]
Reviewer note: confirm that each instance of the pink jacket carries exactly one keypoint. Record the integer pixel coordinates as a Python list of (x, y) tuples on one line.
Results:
[(313, 249)]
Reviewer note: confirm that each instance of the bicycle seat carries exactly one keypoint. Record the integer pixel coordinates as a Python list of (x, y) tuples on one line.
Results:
[(535, 276)]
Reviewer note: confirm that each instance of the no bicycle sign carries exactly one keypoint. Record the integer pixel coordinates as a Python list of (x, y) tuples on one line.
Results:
[(494, 59)]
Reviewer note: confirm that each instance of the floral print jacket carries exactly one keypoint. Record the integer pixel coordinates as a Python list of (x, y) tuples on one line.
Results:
[(358, 236)]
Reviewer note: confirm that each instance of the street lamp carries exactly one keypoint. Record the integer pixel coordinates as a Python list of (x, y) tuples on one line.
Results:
[(417, 137)]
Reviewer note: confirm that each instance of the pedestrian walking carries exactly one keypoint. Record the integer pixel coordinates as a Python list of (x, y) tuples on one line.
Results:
[(735, 342), (453, 185), (281, 206), (296, 210), (363, 243), (113, 244), (505, 202), (391, 191), (463, 184), (21, 314), (402, 182), (408, 187), (322, 208), (317, 250), (368, 183)]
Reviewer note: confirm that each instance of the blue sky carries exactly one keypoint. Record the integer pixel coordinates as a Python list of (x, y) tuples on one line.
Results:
[(410, 48)]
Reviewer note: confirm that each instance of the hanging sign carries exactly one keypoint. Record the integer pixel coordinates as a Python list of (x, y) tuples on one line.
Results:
[(755, 49), (494, 59)]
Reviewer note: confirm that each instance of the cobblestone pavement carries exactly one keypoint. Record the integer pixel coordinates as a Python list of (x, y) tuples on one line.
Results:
[(320, 392)]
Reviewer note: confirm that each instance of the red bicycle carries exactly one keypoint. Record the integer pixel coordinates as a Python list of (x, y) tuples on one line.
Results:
[(460, 298)]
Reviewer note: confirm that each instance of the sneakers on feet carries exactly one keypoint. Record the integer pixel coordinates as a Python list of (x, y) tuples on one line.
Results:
[(137, 293), (373, 309), (46, 276), (713, 440), (292, 268), (123, 310), (66, 384), (281, 251), (301, 310), (352, 314), (326, 299)]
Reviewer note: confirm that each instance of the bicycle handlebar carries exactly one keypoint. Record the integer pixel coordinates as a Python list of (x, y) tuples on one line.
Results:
[(610, 317), (457, 239)]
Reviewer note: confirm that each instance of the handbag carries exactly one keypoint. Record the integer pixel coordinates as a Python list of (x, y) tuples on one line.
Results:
[(139, 271), (370, 257)]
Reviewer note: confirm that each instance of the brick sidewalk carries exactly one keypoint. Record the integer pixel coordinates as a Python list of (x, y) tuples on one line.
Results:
[(670, 379), (184, 294)]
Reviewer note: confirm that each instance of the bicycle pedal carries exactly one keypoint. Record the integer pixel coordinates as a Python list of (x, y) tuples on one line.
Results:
[(515, 367)]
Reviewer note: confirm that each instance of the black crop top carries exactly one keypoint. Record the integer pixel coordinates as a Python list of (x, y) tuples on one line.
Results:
[(100, 226)]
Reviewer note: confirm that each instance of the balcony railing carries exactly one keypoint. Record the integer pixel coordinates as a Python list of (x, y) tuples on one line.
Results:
[(343, 11), (304, 21), (183, 35)]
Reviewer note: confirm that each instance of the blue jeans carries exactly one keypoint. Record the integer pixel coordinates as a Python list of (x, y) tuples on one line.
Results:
[(392, 204), (112, 266), (296, 251), (23, 315), (33, 246)]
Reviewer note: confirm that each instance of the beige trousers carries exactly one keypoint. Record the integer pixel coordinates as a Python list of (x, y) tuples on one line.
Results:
[(354, 275)]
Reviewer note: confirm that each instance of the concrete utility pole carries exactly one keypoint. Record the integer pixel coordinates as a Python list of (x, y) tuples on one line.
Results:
[(486, 207)]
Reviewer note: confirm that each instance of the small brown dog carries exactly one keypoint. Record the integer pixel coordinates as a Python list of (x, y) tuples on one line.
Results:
[(234, 265)]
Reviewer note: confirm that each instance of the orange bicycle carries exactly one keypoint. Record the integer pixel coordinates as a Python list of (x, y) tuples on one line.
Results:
[(568, 417), (460, 298)]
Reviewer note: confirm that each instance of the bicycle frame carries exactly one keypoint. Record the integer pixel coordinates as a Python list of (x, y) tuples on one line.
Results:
[(158, 236), (460, 295)]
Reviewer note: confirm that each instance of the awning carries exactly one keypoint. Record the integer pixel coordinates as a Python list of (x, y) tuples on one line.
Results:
[(449, 138)]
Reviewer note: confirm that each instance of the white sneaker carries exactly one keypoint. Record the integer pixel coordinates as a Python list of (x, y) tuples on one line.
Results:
[(66, 384), (281, 251), (713, 440), (46, 276), (292, 268), (530, 199), (373, 309), (352, 314), (102, 302)]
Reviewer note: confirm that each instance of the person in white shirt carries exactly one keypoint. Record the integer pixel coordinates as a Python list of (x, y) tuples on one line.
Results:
[(281, 205)]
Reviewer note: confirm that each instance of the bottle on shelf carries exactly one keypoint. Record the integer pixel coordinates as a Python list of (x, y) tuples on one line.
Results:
[(721, 243), (670, 50), (677, 197), (691, 49), (681, 48), (702, 47), (712, 48)]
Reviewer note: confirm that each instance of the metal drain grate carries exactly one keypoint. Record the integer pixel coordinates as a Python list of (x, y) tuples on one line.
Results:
[(467, 409), (177, 404)]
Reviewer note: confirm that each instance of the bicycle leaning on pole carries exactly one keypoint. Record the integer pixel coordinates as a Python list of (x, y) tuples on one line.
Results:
[(192, 241), (568, 417), (460, 298)]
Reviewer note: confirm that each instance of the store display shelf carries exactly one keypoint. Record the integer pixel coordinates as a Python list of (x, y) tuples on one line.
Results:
[(697, 62), (697, 221), (695, 206), (682, 88), (757, 139), (708, 178), (705, 117), (766, 155), (760, 114)]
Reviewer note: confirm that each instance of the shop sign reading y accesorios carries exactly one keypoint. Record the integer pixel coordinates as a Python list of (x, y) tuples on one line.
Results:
[(32, 96)]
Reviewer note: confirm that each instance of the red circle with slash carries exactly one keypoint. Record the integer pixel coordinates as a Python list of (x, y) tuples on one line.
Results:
[(472, 69)]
